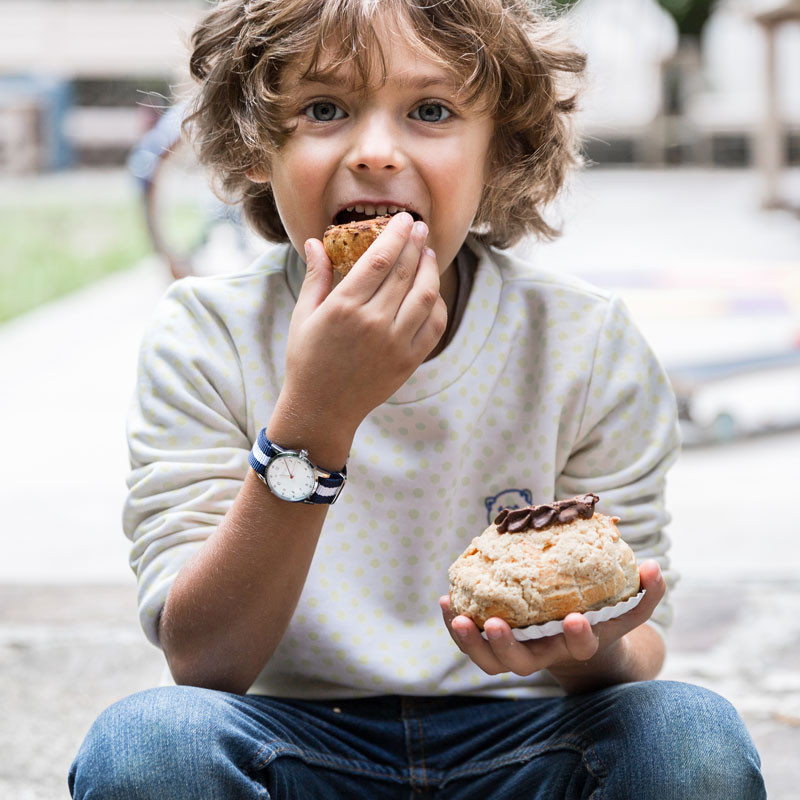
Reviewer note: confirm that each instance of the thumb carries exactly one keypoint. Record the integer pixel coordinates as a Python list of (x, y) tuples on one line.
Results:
[(318, 281)]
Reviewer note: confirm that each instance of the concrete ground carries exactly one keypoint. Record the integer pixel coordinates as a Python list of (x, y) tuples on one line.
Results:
[(69, 640), (67, 652)]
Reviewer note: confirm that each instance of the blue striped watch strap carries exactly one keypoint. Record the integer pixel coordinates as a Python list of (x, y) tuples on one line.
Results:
[(328, 486)]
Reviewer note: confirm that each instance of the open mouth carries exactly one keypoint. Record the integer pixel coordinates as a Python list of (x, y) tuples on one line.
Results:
[(358, 213)]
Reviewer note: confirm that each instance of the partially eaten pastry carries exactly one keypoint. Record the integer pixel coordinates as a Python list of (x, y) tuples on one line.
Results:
[(346, 243)]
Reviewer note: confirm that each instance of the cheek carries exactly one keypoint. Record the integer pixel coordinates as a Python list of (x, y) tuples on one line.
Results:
[(292, 180), (300, 173), (464, 170), (481, 162)]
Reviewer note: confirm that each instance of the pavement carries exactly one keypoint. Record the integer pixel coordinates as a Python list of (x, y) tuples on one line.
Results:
[(69, 639)]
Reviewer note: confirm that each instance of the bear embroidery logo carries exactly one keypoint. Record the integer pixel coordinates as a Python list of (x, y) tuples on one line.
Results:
[(508, 498)]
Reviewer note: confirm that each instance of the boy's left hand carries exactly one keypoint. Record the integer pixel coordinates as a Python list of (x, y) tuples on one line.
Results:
[(598, 649)]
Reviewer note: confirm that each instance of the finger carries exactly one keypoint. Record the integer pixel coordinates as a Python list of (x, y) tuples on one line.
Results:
[(416, 305), (580, 639), (318, 280), (404, 273), (471, 643), (653, 583), (432, 330), (651, 578), (515, 656), (449, 615), (423, 311), (370, 271), (468, 639), (447, 612)]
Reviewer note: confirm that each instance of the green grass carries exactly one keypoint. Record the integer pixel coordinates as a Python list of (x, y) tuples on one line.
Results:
[(50, 249)]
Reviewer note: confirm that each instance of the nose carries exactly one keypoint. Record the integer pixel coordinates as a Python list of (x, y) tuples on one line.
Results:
[(376, 146)]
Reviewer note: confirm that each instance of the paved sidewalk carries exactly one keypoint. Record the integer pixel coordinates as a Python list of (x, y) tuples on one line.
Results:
[(70, 370), (69, 640), (66, 653)]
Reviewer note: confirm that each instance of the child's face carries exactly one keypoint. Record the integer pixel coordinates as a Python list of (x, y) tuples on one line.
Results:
[(407, 142)]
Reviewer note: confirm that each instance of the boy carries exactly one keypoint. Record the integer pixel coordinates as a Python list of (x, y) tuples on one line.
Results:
[(439, 375)]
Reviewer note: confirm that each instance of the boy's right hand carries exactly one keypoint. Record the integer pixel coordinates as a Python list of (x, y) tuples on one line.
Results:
[(352, 346)]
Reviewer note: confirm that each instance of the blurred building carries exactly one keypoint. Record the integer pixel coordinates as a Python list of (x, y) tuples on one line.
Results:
[(81, 80), (656, 97)]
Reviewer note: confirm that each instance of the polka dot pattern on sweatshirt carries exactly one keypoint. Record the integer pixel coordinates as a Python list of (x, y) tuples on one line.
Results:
[(547, 389)]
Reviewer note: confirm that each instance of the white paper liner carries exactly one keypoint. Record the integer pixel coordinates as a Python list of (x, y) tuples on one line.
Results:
[(556, 626)]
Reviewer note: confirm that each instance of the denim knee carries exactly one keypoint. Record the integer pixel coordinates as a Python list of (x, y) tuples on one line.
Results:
[(693, 743), (161, 743)]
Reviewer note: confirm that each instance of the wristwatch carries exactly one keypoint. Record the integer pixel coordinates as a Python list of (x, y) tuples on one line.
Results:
[(290, 475)]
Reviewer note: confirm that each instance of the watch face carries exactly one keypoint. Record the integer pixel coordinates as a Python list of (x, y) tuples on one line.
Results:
[(291, 477)]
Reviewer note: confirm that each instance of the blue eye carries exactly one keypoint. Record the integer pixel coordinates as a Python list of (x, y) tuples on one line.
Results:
[(430, 112), (324, 111)]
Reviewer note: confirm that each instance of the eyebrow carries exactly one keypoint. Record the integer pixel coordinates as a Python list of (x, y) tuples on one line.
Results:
[(418, 82), (423, 81)]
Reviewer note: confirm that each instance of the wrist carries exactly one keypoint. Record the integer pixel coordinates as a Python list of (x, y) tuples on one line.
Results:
[(326, 439), (609, 666), (292, 476)]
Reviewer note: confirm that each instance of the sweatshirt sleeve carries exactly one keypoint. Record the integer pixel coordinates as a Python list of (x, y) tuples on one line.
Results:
[(627, 440), (187, 443)]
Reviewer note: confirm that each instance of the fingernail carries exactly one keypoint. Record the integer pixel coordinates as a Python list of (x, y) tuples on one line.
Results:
[(461, 633), (493, 634), (430, 252), (307, 248), (420, 229)]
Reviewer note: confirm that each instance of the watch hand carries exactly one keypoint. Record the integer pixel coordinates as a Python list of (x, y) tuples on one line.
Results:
[(286, 463)]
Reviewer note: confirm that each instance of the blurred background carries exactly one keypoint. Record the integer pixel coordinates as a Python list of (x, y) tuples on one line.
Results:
[(689, 207)]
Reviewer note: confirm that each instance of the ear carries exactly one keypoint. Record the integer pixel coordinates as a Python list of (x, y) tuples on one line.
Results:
[(258, 174)]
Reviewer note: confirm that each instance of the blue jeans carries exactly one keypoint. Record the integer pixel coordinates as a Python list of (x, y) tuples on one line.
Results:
[(655, 740)]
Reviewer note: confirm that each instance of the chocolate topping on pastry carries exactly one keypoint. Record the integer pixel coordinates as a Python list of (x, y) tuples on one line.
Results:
[(559, 512)]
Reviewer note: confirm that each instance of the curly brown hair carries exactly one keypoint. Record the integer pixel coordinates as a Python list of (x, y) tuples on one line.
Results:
[(508, 56)]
